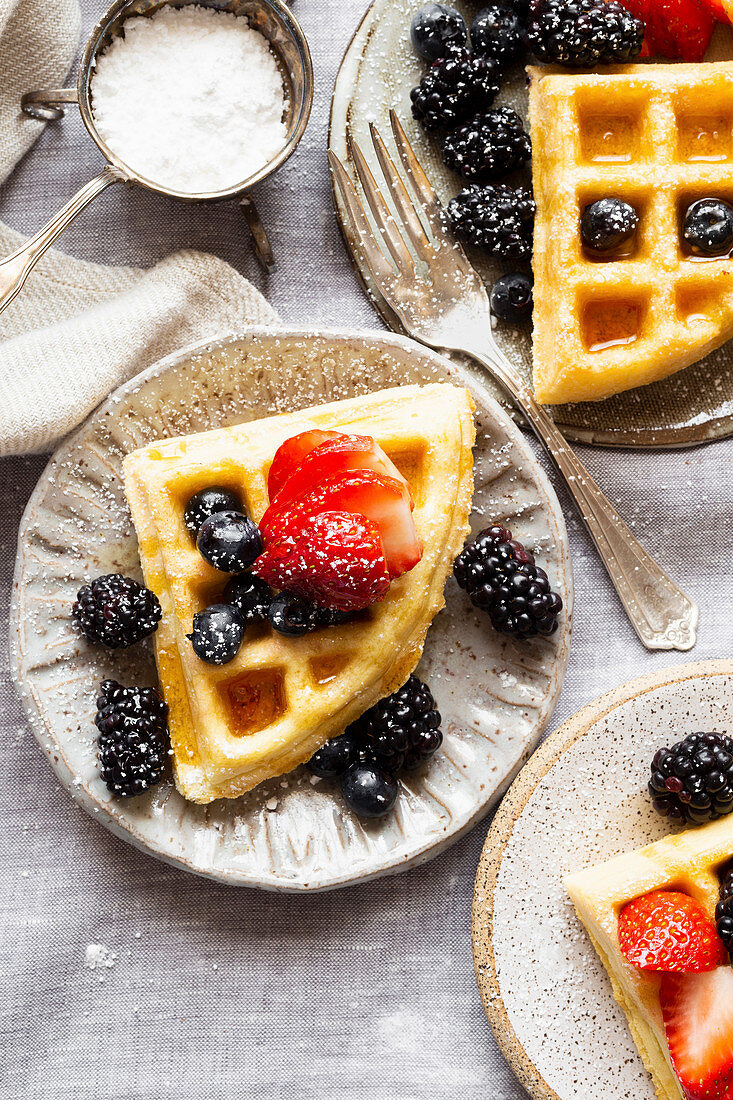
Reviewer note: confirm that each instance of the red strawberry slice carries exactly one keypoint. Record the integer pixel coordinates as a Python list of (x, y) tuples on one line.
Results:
[(334, 457), (336, 560), (384, 500), (722, 10), (291, 453), (666, 930), (698, 1020), (675, 28)]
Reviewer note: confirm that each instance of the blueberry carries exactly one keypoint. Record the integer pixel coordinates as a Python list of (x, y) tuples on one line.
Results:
[(368, 790), (217, 634), (205, 503), (250, 595), (511, 297), (334, 757), (292, 616), (435, 28), (230, 541), (497, 32), (708, 227), (607, 223)]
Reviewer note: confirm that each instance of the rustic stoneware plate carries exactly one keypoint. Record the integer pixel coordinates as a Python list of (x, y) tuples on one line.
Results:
[(581, 799), (377, 72), (288, 834)]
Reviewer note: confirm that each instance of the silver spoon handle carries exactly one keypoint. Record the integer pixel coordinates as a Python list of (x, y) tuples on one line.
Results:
[(15, 269), (660, 612)]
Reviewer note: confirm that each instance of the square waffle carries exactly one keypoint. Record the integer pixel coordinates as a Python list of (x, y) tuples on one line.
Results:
[(281, 698), (687, 861), (659, 137)]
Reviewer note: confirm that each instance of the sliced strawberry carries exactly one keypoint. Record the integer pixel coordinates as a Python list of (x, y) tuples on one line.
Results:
[(334, 457), (722, 10), (698, 1020), (666, 930), (384, 500), (337, 560), (290, 454), (675, 28)]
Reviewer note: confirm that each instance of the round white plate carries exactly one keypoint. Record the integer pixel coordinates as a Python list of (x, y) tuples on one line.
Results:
[(495, 696), (581, 799)]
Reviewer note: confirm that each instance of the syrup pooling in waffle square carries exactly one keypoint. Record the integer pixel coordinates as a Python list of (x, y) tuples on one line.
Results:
[(658, 137), (282, 697)]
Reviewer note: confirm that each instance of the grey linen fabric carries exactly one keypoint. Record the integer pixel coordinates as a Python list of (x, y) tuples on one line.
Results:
[(362, 994)]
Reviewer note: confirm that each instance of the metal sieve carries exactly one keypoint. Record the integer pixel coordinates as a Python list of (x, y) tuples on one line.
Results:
[(272, 19)]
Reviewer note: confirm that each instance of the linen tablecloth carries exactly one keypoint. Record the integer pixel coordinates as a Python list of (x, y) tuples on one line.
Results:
[(362, 994)]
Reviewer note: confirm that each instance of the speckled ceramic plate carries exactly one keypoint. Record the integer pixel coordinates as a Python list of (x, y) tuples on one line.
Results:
[(581, 799), (495, 696), (377, 72)]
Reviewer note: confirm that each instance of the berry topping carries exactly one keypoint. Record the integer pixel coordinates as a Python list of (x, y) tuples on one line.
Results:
[(496, 218), (488, 147), (217, 633), (435, 28), (334, 559), (511, 297), (454, 88), (724, 910), (497, 32), (293, 616), (676, 28), (698, 1018), (334, 457), (693, 780), (229, 541), (666, 930), (206, 503), (607, 223), (133, 737), (500, 576), (369, 790), (401, 731), (291, 453), (708, 227), (333, 758), (584, 33), (116, 611), (250, 595)]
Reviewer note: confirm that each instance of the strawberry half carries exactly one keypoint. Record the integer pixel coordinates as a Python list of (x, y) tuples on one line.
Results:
[(334, 457), (698, 1020), (336, 560), (666, 930), (384, 500), (291, 453), (675, 28), (722, 10)]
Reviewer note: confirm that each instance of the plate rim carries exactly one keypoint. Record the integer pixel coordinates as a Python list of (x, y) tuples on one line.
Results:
[(510, 810), (43, 733)]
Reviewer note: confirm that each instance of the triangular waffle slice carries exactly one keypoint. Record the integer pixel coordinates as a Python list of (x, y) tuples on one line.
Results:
[(281, 698), (688, 862), (659, 137)]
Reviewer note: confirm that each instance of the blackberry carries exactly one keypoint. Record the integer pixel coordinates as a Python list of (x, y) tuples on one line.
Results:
[(116, 611), (497, 32), (488, 147), (204, 503), (607, 223), (500, 577), (133, 737), (401, 731), (584, 33), (229, 541), (511, 296), (693, 780), (708, 227), (497, 218), (724, 910), (435, 28), (250, 595), (454, 88), (217, 634)]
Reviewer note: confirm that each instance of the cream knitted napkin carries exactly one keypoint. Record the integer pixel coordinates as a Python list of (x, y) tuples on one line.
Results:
[(77, 330)]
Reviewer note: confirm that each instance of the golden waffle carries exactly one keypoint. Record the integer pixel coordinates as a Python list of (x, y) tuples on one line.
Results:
[(688, 862), (282, 698), (659, 137)]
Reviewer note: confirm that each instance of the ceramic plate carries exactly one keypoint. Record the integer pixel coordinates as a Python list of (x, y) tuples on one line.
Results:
[(288, 834), (377, 72), (581, 799)]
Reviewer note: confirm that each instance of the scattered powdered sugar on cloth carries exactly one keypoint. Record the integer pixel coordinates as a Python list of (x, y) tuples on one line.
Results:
[(190, 98), (97, 956)]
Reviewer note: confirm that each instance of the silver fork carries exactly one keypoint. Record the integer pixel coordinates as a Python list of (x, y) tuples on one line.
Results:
[(442, 302)]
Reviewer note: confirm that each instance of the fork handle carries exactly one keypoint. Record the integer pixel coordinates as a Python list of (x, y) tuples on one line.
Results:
[(660, 612)]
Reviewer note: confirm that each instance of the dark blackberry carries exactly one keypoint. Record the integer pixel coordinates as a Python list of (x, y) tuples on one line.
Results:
[(133, 737), (511, 296), (497, 218), (368, 790), (250, 595), (229, 541), (708, 227), (401, 731), (583, 33), (206, 503), (693, 780), (488, 147), (607, 223), (497, 32), (217, 634), (454, 88), (724, 910), (500, 577), (116, 611), (435, 28)]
